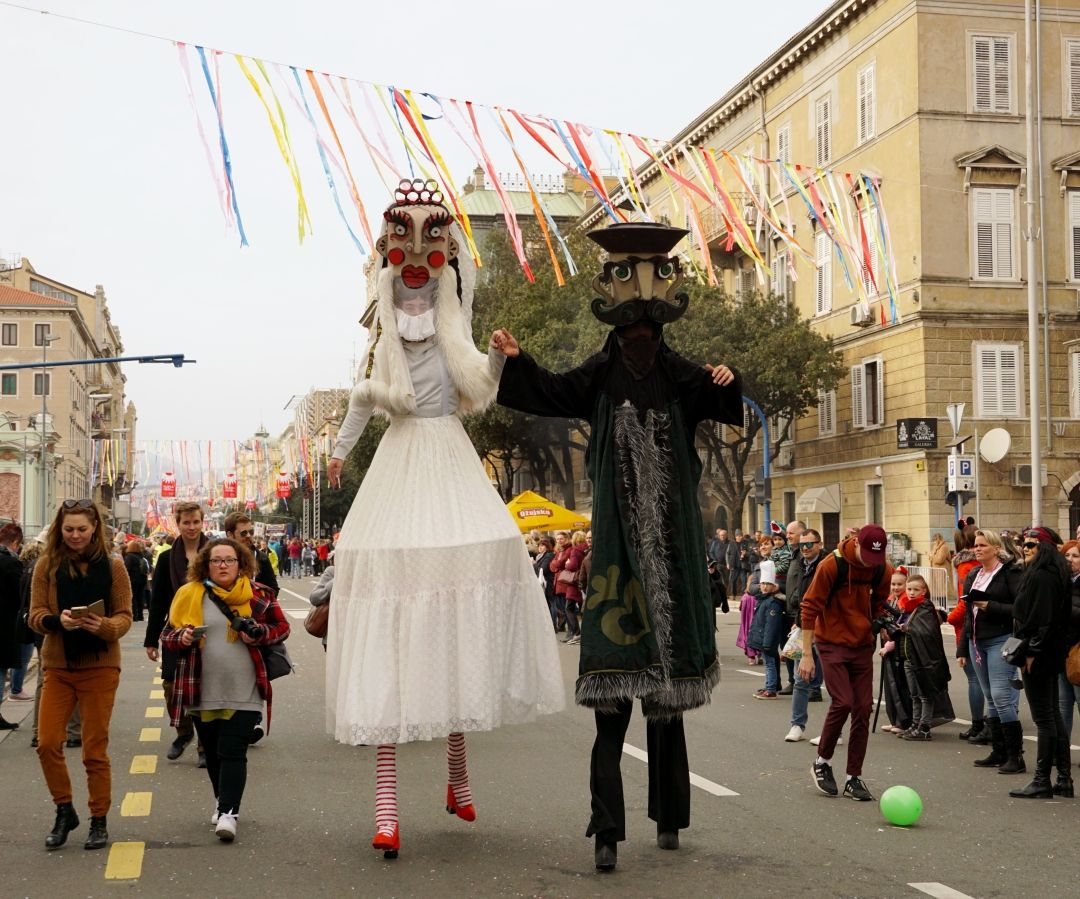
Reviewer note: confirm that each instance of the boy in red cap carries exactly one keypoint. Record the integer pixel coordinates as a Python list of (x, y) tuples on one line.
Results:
[(848, 592)]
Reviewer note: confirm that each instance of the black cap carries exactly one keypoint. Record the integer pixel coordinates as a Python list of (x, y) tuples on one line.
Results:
[(638, 237)]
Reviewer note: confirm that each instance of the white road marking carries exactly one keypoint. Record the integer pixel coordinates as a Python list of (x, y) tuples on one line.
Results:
[(1028, 738), (751, 673), (287, 590), (297, 614), (696, 779), (939, 890)]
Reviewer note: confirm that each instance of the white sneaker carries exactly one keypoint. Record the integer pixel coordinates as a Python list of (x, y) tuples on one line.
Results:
[(214, 817), (795, 734), (817, 740), (226, 827)]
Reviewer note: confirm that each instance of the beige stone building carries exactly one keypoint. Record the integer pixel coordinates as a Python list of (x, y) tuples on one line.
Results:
[(928, 95), (90, 427)]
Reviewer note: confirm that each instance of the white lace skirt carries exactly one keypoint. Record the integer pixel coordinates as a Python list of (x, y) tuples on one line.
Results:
[(437, 621)]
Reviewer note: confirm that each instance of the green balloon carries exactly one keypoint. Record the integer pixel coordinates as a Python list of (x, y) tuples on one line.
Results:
[(901, 806)]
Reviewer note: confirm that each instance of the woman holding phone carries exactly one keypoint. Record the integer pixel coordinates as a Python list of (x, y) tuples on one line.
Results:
[(217, 622), (80, 600)]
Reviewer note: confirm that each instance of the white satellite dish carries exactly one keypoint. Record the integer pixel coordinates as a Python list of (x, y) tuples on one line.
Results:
[(995, 444)]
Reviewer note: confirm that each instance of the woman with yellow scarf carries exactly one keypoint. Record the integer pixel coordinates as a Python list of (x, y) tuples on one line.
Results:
[(218, 621)]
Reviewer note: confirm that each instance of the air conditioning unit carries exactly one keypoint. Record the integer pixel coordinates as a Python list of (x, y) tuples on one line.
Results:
[(786, 457), (1021, 476), (860, 316)]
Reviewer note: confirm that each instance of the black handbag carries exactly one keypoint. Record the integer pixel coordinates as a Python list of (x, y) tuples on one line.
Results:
[(1015, 651)]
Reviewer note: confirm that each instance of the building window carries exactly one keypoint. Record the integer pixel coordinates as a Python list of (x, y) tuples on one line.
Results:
[(41, 334), (47, 290), (38, 376), (991, 68), (871, 273), (822, 131), (823, 274), (994, 233), (1074, 384), (998, 377), (1074, 235), (747, 281), (868, 393), (783, 143), (865, 92), (826, 413), (789, 505), (9, 384), (875, 503), (1072, 78), (10, 335), (781, 285)]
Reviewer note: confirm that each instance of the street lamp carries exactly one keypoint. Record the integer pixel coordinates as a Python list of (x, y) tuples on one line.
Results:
[(46, 339)]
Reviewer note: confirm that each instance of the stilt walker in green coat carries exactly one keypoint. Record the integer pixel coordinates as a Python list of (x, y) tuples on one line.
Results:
[(648, 629)]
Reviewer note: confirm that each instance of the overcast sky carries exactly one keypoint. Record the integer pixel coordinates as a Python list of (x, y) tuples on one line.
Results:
[(103, 178)]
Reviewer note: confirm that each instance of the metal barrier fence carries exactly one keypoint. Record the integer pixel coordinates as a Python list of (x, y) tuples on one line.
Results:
[(940, 582)]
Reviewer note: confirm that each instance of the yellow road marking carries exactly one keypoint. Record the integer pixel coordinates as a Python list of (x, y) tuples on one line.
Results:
[(136, 805), (143, 764), (150, 735), (125, 861), (155, 712), (157, 694), (156, 681)]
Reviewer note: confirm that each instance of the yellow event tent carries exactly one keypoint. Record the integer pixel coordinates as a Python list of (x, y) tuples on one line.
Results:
[(531, 510)]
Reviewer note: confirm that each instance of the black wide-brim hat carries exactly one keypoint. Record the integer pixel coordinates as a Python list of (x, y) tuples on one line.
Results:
[(638, 237)]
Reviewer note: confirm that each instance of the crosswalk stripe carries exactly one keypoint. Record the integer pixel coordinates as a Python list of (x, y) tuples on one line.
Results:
[(155, 711), (939, 891), (143, 764), (696, 779), (136, 805), (150, 735)]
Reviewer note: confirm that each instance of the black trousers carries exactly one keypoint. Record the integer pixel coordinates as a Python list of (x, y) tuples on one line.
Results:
[(226, 745), (1041, 689), (669, 775)]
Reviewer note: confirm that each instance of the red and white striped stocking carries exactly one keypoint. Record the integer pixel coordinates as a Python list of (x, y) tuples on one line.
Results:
[(386, 810), (458, 770)]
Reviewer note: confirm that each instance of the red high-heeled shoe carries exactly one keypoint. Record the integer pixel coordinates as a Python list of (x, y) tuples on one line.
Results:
[(388, 843), (464, 812)]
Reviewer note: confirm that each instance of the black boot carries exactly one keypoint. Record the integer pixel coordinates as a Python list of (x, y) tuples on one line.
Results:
[(66, 820), (975, 729), (98, 836), (997, 755), (7, 725), (1014, 748), (1064, 785), (667, 839), (982, 736), (1063, 763), (606, 854)]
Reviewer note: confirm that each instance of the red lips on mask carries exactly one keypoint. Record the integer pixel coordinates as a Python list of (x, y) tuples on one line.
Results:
[(415, 276)]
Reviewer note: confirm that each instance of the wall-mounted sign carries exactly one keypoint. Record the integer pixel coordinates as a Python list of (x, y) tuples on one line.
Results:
[(916, 433)]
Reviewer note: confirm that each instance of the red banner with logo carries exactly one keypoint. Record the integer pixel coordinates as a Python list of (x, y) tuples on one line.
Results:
[(228, 488), (168, 484), (284, 486)]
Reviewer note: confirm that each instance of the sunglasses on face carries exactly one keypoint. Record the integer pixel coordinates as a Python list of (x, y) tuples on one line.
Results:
[(246, 533), (78, 504), (1029, 545), (807, 544)]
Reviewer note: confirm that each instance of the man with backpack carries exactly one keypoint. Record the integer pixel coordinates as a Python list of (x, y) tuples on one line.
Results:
[(847, 594)]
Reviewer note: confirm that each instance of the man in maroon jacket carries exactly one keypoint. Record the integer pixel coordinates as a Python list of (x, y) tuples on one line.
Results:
[(848, 592)]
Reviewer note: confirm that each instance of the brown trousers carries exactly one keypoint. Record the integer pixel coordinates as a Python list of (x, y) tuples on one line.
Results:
[(93, 690)]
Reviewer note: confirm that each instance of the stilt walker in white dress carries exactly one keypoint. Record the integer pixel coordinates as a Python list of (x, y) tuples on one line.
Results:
[(438, 625)]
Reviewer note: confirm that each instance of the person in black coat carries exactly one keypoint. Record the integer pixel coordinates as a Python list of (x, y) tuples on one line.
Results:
[(1069, 693), (11, 647), (1041, 619), (138, 570), (542, 567)]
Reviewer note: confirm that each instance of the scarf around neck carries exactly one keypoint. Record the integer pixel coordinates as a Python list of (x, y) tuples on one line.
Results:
[(75, 588), (187, 604)]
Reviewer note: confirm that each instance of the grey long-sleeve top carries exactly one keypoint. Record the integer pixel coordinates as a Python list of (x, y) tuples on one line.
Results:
[(435, 393)]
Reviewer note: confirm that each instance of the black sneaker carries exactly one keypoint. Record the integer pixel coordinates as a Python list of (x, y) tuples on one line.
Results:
[(823, 778), (856, 789), (917, 735), (178, 746), (257, 734), (786, 691), (815, 696)]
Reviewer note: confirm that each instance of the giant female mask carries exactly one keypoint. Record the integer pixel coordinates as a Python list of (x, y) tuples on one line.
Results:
[(641, 277)]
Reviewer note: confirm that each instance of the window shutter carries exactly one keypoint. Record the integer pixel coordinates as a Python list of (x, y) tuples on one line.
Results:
[(1003, 233), (866, 104), (994, 228), (858, 418), (823, 275), (822, 131), (1008, 373), (780, 281), (871, 268), (1074, 232), (1072, 69), (980, 58), (986, 372), (880, 363), (827, 412), (783, 144), (1002, 75)]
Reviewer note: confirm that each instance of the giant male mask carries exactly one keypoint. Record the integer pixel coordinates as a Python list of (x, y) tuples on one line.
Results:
[(641, 277)]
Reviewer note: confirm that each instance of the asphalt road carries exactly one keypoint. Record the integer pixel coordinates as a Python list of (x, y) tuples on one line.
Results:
[(759, 828)]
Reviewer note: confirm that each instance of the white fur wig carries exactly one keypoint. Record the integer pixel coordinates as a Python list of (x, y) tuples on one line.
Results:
[(387, 382)]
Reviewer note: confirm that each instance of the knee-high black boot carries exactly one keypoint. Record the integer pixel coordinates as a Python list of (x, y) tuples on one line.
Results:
[(1040, 788), (997, 755), (1014, 748)]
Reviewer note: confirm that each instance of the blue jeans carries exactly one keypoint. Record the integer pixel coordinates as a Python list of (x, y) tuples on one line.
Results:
[(800, 696), (774, 636), (994, 672), (976, 699), (19, 674), (1068, 698)]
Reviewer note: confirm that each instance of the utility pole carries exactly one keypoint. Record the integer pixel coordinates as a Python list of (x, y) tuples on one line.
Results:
[(1032, 271), (46, 339)]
